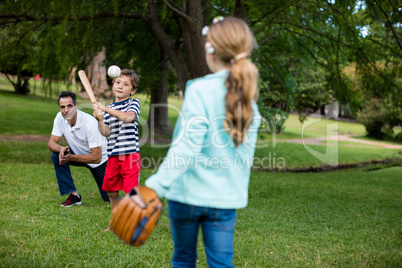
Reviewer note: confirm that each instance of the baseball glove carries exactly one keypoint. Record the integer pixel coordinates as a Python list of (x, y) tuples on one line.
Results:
[(135, 216)]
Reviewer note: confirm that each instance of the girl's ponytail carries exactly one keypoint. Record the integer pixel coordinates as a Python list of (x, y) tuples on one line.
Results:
[(242, 89), (233, 42)]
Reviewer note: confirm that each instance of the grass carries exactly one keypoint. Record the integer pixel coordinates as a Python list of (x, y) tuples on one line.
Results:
[(291, 155), (343, 218), (38, 233), (284, 155), (34, 115), (315, 127), (26, 114), (327, 219)]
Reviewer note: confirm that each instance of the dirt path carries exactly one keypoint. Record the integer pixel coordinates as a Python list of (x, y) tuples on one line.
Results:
[(25, 138), (309, 141), (346, 137)]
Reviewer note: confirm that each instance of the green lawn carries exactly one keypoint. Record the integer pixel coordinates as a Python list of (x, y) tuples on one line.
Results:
[(318, 129), (349, 218), (344, 218), (34, 115)]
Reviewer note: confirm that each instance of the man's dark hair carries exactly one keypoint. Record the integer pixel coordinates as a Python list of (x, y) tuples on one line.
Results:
[(66, 94)]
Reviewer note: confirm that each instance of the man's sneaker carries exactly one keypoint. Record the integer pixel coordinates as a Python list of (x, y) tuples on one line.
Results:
[(72, 200)]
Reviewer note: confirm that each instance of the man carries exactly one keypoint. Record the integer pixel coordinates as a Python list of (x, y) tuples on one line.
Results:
[(86, 147)]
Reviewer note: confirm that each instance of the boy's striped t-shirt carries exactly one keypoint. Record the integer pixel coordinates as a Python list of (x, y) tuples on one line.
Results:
[(123, 137)]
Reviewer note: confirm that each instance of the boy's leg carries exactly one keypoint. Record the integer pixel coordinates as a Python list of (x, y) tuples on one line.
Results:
[(63, 175), (130, 170), (112, 182), (99, 174), (114, 198)]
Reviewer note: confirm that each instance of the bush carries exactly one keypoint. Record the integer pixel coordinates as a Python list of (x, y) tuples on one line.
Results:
[(273, 106), (273, 118), (379, 118), (398, 137)]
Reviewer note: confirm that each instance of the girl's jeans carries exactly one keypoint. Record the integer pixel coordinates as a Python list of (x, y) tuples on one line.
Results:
[(217, 229)]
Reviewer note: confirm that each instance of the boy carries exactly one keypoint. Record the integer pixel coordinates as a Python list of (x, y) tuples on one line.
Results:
[(120, 125)]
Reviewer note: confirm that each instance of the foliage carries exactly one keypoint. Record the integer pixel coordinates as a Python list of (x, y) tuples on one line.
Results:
[(380, 74), (301, 51), (273, 118), (380, 117), (398, 137), (15, 46), (303, 46)]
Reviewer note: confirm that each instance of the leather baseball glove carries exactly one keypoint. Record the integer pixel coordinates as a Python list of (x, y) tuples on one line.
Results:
[(136, 215)]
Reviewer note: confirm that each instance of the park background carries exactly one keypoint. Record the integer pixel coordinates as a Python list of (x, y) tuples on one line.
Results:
[(304, 212)]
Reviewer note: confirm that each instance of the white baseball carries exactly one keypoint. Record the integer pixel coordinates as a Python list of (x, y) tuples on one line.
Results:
[(114, 71)]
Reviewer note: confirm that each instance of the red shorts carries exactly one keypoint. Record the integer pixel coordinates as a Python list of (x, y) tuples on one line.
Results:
[(122, 172)]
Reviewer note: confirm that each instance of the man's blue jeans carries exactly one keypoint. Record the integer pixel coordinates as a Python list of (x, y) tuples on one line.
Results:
[(66, 182), (217, 230)]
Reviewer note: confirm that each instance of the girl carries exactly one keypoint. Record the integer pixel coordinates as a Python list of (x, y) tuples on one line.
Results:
[(206, 173)]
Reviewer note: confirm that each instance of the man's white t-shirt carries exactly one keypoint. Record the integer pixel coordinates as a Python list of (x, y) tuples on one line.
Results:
[(83, 136)]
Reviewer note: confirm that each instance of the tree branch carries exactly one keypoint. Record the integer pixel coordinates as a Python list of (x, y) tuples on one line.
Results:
[(269, 37), (310, 53), (166, 59), (390, 25), (14, 18), (270, 19), (317, 32), (177, 10), (383, 45), (312, 39), (10, 80), (392, 5), (344, 18)]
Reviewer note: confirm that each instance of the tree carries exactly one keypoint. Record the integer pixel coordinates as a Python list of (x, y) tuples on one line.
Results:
[(379, 76), (303, 45), (15, 49)]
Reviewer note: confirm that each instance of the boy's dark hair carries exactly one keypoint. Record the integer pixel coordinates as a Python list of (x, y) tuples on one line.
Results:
[(66, 94), (134, 79)]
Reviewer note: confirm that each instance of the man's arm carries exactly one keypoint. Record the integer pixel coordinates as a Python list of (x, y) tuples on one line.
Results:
[(53, 144), (95, 157)]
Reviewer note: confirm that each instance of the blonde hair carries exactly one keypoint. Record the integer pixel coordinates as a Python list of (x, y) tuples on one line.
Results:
[(233, 43)]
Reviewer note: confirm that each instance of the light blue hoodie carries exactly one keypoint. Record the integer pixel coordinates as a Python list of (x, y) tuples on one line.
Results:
[(203, 167)]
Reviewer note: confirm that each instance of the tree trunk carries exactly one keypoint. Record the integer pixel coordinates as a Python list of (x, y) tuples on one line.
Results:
[(168, 46), (193, 40), (158, 119), (241, 10), (96, 72), (22, 85), (322, 110)]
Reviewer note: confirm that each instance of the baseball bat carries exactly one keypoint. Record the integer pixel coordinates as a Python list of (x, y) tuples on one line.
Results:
[(88, 89)]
